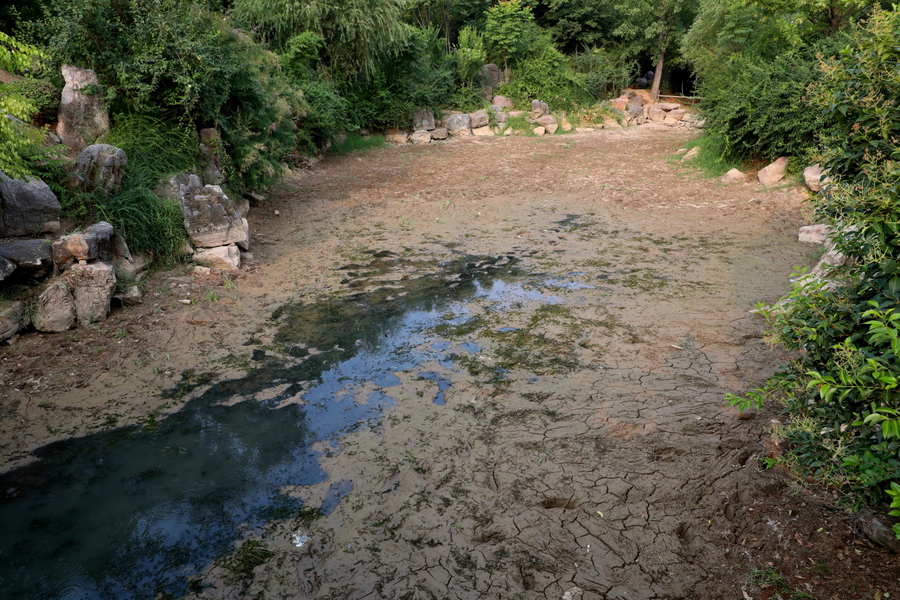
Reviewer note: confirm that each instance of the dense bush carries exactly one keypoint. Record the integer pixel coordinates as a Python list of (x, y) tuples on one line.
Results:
[(842, 394), (39, 93)]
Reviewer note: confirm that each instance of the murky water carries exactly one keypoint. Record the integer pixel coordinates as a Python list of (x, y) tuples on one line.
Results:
[(136, 512)]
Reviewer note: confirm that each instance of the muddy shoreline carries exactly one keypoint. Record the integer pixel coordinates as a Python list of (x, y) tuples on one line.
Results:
[(580, 444)]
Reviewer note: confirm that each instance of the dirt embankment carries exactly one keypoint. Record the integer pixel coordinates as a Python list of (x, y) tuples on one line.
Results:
[(601, 464)]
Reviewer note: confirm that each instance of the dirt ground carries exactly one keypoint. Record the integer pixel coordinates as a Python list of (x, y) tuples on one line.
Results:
[(602, 464)]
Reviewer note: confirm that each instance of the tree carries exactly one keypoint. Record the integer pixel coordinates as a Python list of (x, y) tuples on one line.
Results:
[(657, 26), (15, 139), (509, 29), (819, 17)]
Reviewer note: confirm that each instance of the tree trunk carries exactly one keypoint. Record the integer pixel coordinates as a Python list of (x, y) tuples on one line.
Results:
[(657, 76)]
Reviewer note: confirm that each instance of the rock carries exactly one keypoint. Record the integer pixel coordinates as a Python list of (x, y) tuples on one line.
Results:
[(879, 530), (584, 130), (131, 268), (211, 219), (479, 118), (539, 130), (565, 125), (420, 137), (27, 207), (83, 246), (656, 114), (423, 119), (501, 117), (490, 74), (395, 136), (814, 234), (635, 100), (676, 115), (27, 252), (459, 125), (439, 133), (691, 154), (773, 173), (7, 267), (815, 177), (100, 166), (539, 109), (55, 309), (226, 258), (502, 102), (620, 103), (828, 263), (13, 319), (549, 123), (734, 176), (173, 187), (667, 106), (201, 271), (482, 131), (82, 113), (92, 286), (210, 151), (121, 248), (508, 131), (610, 123), (130, 297)]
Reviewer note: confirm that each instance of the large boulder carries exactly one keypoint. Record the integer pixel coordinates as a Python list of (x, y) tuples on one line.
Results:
[(490, 75), (549, 123), (87, 245), (420, 137), (773, 173), (210, 151), (13, 319), (211, 218), (479, 118), (33, 258), (7, 267), (459, 125), (502, 101), (82, 112), (93, 286), (27, 207), (423, 118), (440, 133), (815, 177), (226, 258), (55, 309), (100, 166)]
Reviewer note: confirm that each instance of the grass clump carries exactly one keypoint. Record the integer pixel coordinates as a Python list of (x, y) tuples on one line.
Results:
[(357, 143)]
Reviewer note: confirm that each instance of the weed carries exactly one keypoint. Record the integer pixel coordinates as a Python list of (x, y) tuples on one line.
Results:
[(357, 143), (247, 557), (773, 577)]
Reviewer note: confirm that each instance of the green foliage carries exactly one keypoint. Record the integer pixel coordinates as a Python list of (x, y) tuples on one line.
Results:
[(547, 76), (17, 141), (577, 25), (757, 106), (155, 150), (470, 55), (359, 32), (894, 494), (418, 75), (842, 393), (357, 143), (509, 30), (40, 93), (603, 73)]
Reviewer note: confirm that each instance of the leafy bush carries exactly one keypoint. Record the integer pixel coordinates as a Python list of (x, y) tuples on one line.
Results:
[(17, 142), (842, 394), (470, 55), (547, 76), (39, 93), (604, 74)]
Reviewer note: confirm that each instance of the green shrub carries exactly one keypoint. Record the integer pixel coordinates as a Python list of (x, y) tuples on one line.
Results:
[(357, 143), (39, 93), (603, 73), (470, 55), (546, 76)]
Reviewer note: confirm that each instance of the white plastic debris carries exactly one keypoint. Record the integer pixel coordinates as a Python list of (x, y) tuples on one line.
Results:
[(299, 539)]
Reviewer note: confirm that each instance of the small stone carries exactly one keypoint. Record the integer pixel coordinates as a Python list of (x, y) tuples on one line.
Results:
[(486, 130), (13, 318), (439, 133), (879, 531), (227, 258), (814, 234), (132, 296), (539, 131), (691, 154), (420, 137), (815, 177), (201, 271), (734, 176), (479, 118)]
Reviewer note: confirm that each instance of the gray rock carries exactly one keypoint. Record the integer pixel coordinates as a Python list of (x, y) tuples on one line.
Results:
[(420, 137), (479, 118), (879, 530), (100, 166), (7, 267), (734, 176), (815, 177), (130, 297), (173, 187), (828, 263), (773, 173), (459, 125), (656, 114), (226, 258), (502, 102), (483, 131), (676, 115), (423, 119), (82, 113), (121, 248), (439, 133), (490, 74), (667, 106), (539, 109), (33, 258), (131, 268), (691, 154), (13, 319), (210, 145), (814, 234), (93, 286), (55, 309), (211, 218), (27, 207), (501, 117)]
